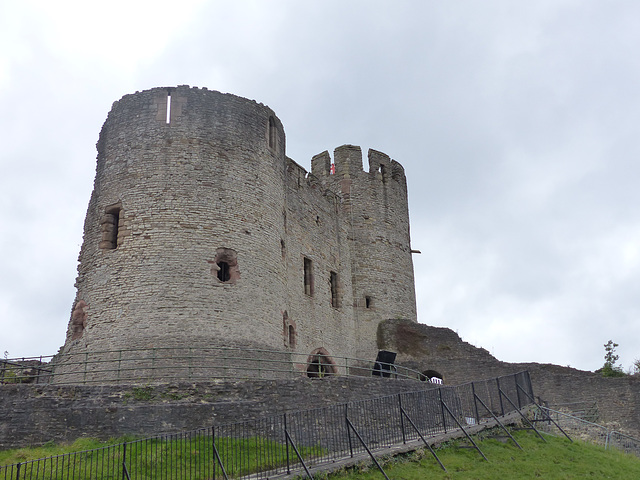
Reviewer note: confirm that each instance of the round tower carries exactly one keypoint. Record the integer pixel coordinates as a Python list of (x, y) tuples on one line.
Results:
[(184, 226)]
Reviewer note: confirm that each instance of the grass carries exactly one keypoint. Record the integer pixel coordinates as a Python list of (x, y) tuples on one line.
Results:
[(192, 458), (556, 459), (160, 458)]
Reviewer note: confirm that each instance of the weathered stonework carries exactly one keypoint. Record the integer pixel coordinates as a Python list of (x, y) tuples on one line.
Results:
[(437, 349), (36, 414), (199, 229)]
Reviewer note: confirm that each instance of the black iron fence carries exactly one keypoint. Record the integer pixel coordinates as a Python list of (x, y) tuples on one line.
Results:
[(586, 430), (148, 365), (296, 442)]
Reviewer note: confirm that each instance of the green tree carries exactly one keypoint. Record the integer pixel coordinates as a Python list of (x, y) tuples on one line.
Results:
[(610, 369)]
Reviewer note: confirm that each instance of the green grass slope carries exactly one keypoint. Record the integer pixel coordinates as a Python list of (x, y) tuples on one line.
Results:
[(555, 459)]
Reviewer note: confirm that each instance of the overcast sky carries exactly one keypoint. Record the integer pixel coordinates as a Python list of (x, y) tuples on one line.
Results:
[(516, 122)]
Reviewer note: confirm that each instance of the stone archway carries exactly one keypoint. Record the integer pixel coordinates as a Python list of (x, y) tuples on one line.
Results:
[(427, 375), (320, 364)]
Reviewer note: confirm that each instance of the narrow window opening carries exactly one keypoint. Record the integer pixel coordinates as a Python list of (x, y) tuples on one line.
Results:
[(292, 336), (272, 132), (116, 223), (308, 276), (333, 282), (367, 302), (224, 274), (110, 228), (169, 106)]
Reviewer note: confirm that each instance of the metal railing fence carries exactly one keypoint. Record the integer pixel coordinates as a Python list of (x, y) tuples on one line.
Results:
[(152, 365), (589, 431), (291, 443)]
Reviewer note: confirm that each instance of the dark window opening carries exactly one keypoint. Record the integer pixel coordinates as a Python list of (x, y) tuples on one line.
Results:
[(272, 132), (333, 282), (224, 274), (368, 302), (292, 336), (225, 266), (308, 276)]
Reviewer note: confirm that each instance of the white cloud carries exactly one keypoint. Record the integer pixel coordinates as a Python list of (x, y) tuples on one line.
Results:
[(516, 124)]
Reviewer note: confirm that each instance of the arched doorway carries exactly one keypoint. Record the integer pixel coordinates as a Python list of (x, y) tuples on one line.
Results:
[(320, 364), (428, 375)]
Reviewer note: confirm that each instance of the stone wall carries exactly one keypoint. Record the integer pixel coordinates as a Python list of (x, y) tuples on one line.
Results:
[(423, 347), (35, 414)]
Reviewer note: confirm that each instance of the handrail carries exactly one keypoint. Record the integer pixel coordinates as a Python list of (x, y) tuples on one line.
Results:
[(163, 364)]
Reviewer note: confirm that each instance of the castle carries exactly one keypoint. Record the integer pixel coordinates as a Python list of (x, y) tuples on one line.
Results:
[(201, 231)]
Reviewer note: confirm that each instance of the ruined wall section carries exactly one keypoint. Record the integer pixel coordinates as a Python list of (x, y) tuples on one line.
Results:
[(212, 178), (317, 230), (376, 204)]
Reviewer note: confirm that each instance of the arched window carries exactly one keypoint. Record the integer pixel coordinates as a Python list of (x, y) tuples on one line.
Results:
[(223, 272), (308, 276), (273, 130), (292, 336)]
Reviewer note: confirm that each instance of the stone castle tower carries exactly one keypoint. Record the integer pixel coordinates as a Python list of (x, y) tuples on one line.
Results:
[(200, 231)]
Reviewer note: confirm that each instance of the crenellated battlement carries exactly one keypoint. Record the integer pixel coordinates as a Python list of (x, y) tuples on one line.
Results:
[(348, 161)]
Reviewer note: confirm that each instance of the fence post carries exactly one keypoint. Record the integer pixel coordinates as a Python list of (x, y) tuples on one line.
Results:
[(404, 439), (518, 391), (475, 402), (500, 397), (213, 441), (285, 439), (444, 419), (124, 459), (346, 422)]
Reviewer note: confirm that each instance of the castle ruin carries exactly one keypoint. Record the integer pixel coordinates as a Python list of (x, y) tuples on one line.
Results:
[(201, 232)]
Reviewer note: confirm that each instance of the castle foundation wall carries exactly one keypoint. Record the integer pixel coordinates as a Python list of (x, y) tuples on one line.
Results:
[(36, 414)]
